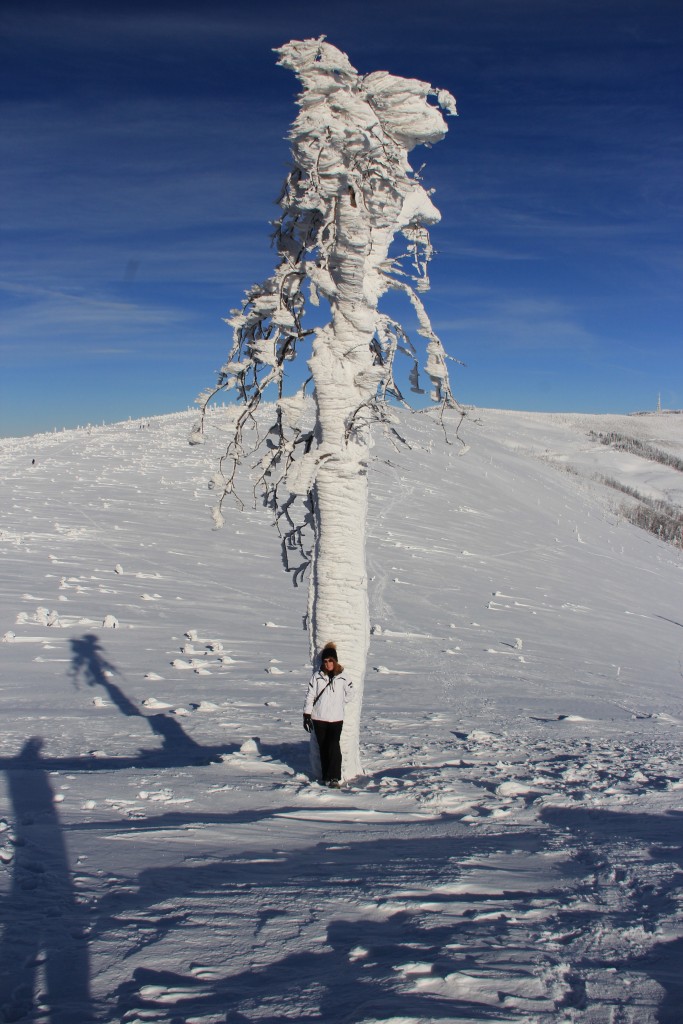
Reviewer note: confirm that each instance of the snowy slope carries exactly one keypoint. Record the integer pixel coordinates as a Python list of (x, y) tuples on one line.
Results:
[(514, 850)]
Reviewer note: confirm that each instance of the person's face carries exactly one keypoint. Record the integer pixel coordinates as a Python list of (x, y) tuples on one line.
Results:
[(328, 663)]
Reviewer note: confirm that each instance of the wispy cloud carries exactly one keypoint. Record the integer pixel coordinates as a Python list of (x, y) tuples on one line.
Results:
[(50, 321), (132, 167), (526, 324)]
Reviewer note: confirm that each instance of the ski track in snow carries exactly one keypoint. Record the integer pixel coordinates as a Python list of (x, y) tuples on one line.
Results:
[(514, 849)]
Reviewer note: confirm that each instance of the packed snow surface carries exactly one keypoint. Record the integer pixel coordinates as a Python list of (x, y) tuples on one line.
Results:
[(513, 850)]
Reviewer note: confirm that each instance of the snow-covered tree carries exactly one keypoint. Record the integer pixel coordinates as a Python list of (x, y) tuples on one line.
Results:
[(350, 192)]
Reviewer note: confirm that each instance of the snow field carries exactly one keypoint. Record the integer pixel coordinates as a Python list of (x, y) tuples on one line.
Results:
[(513, 850)]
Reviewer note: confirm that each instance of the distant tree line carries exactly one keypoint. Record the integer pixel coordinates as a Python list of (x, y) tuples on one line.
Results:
[(631, 444), (652, 514)]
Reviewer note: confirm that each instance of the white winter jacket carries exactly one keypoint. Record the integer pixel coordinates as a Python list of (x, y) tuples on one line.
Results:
[(331, 697)]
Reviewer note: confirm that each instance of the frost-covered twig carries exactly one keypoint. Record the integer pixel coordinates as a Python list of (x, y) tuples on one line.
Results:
[(350, 140)]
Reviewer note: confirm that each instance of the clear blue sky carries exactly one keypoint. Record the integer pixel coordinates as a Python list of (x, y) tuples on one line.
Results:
[(142, 151)]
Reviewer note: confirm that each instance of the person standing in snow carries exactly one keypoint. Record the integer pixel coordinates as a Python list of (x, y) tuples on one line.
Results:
[(328, 692)]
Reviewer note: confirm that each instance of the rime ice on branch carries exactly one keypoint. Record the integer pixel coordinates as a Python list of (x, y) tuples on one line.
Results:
[(350, 191)]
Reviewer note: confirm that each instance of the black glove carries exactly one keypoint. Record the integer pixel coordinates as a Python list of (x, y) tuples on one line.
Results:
[(307, 723)]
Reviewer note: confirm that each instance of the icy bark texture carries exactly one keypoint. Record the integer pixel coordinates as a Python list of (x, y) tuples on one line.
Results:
[(351, 190)]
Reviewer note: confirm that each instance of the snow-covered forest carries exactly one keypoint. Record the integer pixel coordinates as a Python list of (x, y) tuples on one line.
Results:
[(513, 850)]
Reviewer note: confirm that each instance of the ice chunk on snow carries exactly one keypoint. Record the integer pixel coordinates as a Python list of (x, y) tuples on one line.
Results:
[(479, 736), (251, 746), (206, 705), (513, 789)]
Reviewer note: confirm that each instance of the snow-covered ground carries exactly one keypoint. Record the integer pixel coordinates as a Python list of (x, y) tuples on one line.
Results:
[(515, 847)]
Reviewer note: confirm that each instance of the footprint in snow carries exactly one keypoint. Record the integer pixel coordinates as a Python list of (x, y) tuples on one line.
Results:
[(160, 994), (204, 973), (514, 789), (156, 795)]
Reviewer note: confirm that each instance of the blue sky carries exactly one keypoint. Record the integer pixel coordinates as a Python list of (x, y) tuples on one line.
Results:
[(143, 148)]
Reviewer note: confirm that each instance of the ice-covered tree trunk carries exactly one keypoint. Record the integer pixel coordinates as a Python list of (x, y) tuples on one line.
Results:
[(345, 378), (350, 192), (338, 585)]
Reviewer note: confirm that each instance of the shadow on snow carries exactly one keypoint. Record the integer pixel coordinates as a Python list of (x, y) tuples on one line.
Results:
[(353, 973)]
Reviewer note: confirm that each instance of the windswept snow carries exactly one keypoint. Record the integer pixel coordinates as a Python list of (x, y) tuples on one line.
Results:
[(514, 849)]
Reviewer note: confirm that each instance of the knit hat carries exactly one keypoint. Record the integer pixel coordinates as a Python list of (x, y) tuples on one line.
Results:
[(329, 651)]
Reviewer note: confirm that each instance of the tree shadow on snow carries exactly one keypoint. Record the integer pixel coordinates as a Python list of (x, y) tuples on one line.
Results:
[(436, 951), (434, 946), (295, 755), (331, 983), (471, 957), (662, 837), (354, 973)]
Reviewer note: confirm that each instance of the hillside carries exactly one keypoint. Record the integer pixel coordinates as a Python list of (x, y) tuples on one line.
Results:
[(513, 851)]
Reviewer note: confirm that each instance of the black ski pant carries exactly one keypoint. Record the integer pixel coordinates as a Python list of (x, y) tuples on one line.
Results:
[(327, 734)]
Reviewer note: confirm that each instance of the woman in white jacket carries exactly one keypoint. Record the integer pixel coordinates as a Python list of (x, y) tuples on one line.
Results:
[(328, 692)]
